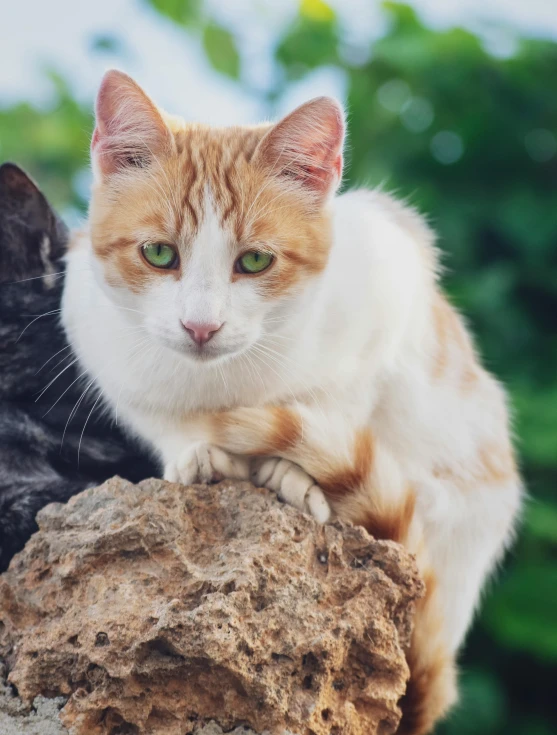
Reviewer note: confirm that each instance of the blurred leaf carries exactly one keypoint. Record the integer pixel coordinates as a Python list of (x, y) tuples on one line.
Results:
[(52, 144), (541, 520), (403, 17), (183, 12), (307, 44), (537, 423), (481, 705), (522, 614), (221, 50)]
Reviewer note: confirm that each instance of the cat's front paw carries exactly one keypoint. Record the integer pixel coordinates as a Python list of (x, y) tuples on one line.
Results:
[(293, 485), (206, 463)]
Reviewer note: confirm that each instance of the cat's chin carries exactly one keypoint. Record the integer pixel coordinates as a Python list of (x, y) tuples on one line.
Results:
[(206, 358), (207, 355)]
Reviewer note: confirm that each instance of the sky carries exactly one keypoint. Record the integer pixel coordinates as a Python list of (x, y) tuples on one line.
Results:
[(35, 34)]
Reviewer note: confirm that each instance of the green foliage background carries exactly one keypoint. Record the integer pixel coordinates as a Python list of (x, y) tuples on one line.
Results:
[(470, 139)]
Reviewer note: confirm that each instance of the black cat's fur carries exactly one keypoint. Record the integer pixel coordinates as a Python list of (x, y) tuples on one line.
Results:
[(39, 464)]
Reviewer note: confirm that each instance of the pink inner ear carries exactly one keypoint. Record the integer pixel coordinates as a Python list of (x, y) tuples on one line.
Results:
[(129, 128), (325, 169), (95, 139), (307, 146), (337, 166)]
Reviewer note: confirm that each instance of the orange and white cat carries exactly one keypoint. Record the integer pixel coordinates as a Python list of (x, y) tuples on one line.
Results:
[(239, 317)]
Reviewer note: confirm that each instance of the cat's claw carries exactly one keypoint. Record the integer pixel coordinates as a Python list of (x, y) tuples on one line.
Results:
[(293, 485), (206, 463)]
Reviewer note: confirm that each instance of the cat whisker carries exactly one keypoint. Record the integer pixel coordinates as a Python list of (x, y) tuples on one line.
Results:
[(44, 390), (280, 336), (131, 356), (122, 308), (60, 374), (252, 368), (277, 320), (66, 357), (85, 425), (262, 356), (221, 373), (74, 411), (44, 275), (40, 316), (36, 278), (68, 388), (67, 347), (84, 393), (294, 372)]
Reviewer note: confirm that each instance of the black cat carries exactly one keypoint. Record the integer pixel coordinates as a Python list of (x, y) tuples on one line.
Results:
[(39, 460)]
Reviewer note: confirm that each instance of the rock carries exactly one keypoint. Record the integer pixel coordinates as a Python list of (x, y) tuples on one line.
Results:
[(16, 719), (161, 609), (42, 718)]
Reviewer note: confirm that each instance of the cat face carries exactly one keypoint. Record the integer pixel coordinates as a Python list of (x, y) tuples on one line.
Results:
[(32, 242), (32, 238), (209, 235)]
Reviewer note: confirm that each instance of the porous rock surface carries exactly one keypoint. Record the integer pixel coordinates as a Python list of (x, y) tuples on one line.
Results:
[(161, 609), (39, 719)]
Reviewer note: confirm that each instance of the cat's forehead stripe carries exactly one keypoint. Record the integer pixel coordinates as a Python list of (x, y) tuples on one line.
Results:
[(208, 159)]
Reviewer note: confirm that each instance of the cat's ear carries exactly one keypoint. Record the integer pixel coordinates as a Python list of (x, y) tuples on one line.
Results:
[(32, 237), (306, 147), (129, 129)]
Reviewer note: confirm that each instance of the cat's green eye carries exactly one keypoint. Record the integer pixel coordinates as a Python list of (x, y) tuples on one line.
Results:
[(160, 255), (254, 261)]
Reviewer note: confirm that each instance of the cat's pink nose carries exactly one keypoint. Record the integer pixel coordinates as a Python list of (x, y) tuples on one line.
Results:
[(201, 333)]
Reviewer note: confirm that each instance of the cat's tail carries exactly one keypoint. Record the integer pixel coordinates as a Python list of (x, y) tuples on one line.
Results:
[(385, 506), (431, 689)]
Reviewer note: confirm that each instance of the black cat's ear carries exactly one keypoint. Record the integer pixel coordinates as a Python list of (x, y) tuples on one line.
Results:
[(32, 237)]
